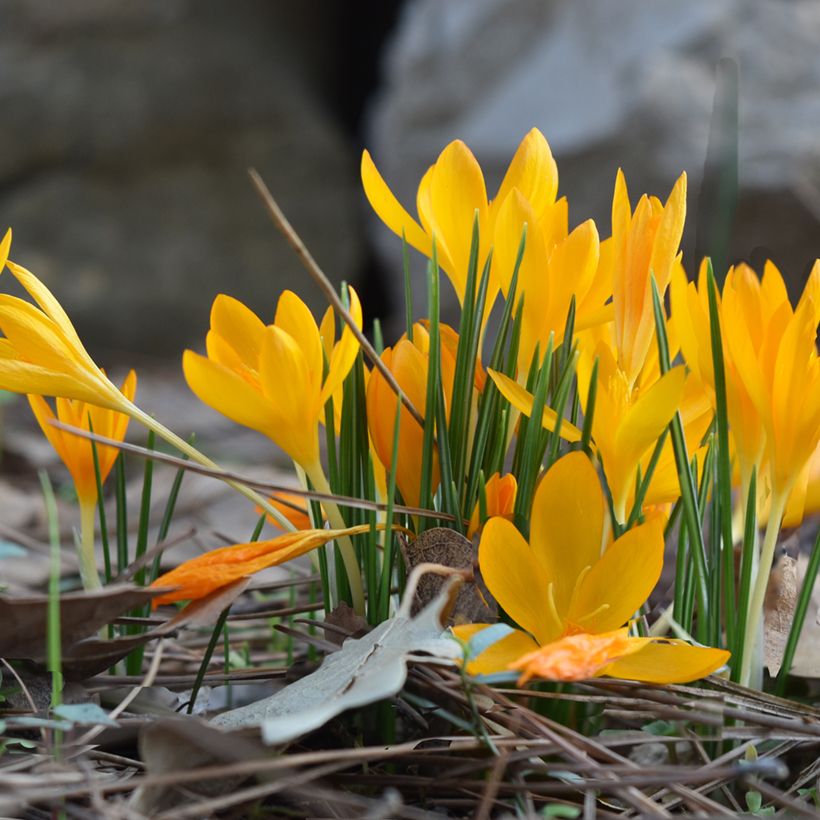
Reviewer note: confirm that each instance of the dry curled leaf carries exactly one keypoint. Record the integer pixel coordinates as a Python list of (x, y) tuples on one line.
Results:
[(82, 614), (449, 548)]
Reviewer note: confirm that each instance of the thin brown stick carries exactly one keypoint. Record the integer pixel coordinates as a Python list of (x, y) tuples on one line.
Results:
[(306, 258), (227, 475)]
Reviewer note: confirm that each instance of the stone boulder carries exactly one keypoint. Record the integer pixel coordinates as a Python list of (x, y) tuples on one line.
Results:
[(128, 132), (723, 89)]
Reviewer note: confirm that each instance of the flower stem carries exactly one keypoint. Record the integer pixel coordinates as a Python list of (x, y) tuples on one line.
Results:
[(195, 455), (354, 574), (88, 561), (761, 581)]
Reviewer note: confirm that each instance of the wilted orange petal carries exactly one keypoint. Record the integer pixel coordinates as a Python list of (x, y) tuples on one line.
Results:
[(577, 657), (202, 575)]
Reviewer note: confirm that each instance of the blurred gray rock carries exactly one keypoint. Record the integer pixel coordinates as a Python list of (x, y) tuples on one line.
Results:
[(128, 131), (630, 84)]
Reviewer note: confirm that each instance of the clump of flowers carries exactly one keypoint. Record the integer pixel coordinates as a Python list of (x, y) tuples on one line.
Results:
[(579, 438)]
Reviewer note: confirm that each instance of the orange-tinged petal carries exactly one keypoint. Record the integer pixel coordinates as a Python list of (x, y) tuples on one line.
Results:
[(533, 172), (202, 575), (409, 366), (668, 661), (522, 400), (500, 492), (390, 210), (293, 507), (239, 327), (498, 656), (577, 657), (517, 579), (227, 393), (567, 524), (621, 581)]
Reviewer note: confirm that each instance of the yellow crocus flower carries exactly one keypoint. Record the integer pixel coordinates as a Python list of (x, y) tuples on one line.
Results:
[(643, 243), (450, 196), (556, 266), (559, 590), (270, 377), (41, 352), (408, 361), (78, 456)]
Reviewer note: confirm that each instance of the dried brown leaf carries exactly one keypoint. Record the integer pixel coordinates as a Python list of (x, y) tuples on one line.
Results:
[(179, 745), (92, 655), (449, 548), (82, 614), (778, 611)]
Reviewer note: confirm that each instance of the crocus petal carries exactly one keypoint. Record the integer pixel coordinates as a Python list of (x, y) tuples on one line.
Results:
[(18, 376), (498, 656), (500, 492), (567, 523), (669, 233), (517, 579), (202, 575), (344, 353), (239, 326), (644, 422), (522, 401), (457, 191), (50, 306), (5, 247), (390, 210), (514, 213), (620, 582), (533, 172), (34, 335), (577, 657), (668, 661), (294, 317), (292, 396), (227, 393), (293, 507), (572, 266)]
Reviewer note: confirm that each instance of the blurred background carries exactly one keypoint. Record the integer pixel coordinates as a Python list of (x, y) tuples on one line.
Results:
[(128, 129)]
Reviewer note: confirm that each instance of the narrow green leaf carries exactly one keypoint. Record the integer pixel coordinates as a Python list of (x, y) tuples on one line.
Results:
[(724, 479), (691, 510)]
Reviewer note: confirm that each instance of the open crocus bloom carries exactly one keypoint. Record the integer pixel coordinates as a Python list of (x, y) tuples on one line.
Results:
[(270, 377), (571, 594), (450, 196)]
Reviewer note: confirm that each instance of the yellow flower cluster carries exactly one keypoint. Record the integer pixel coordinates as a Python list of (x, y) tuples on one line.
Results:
[(551, 567)]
